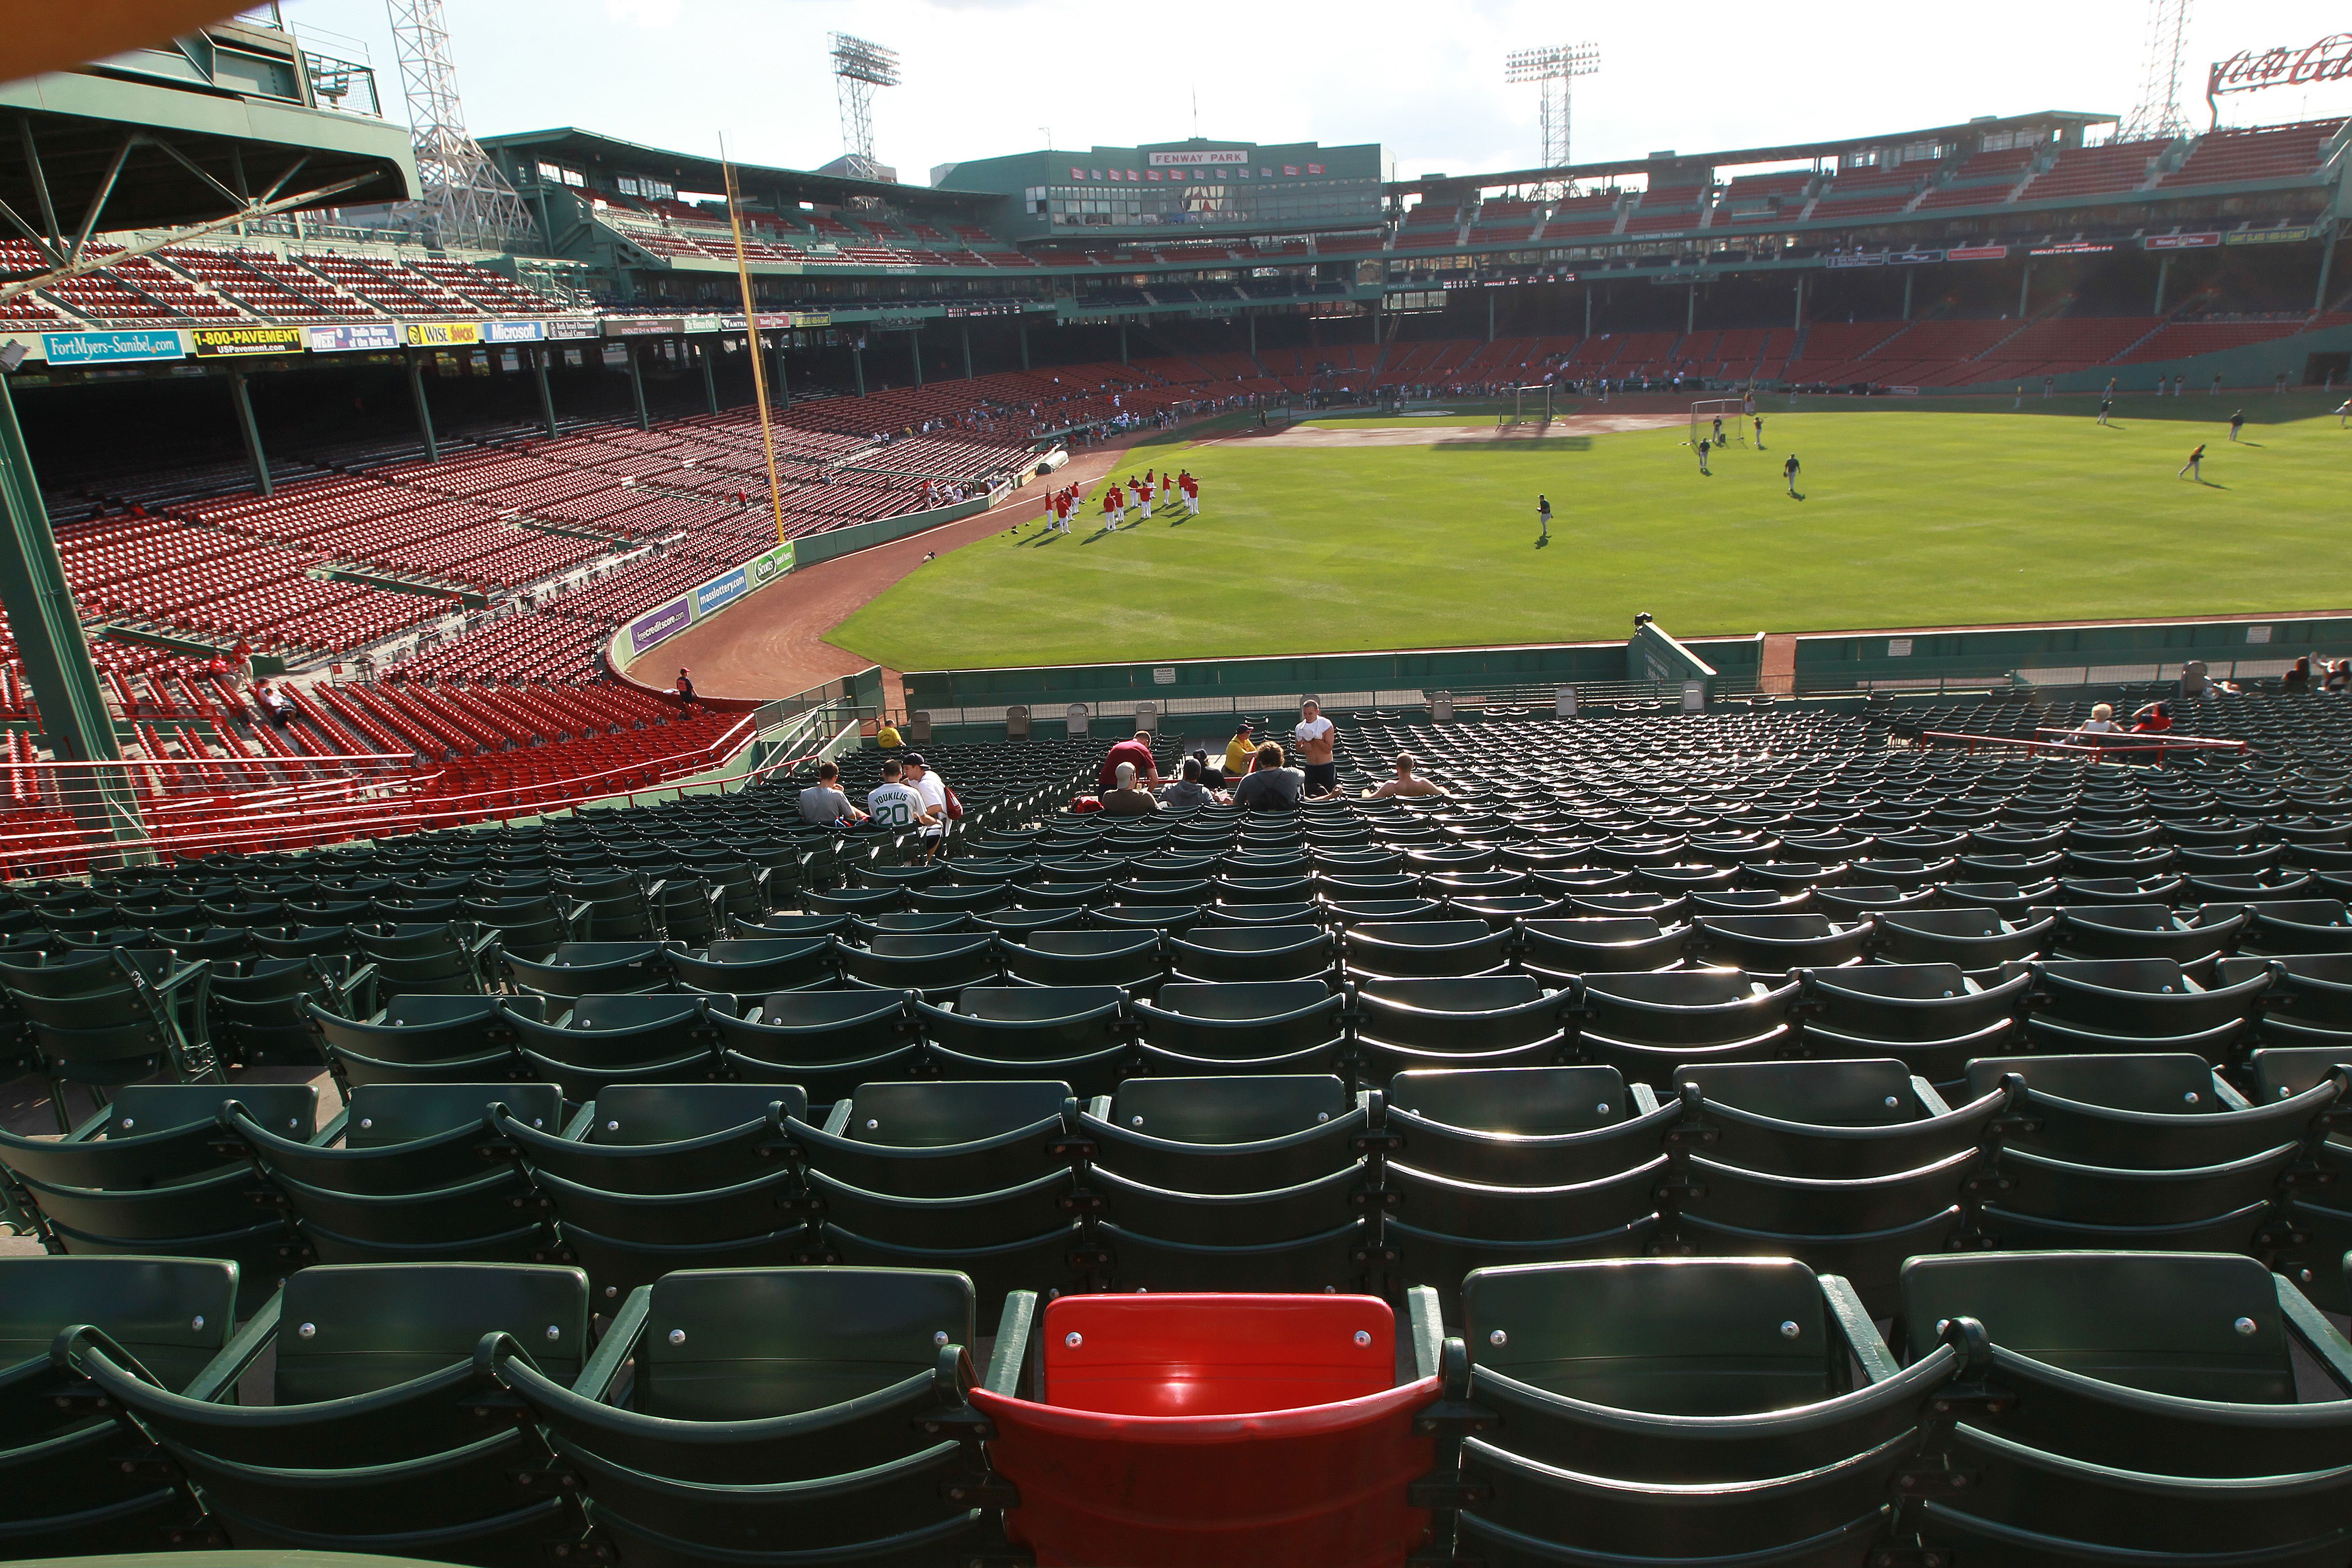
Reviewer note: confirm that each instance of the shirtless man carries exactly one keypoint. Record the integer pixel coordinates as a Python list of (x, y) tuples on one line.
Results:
[(1315, 734)]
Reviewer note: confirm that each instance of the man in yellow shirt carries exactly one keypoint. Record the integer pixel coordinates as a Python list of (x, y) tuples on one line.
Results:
[(886, 736), (1239, 750)]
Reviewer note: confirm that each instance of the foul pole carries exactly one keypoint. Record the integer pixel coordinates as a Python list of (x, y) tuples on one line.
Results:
[(751, 341)]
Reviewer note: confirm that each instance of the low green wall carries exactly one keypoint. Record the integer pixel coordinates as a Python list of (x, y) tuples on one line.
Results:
[(862, 535), (1048, 689), (1844, 660)]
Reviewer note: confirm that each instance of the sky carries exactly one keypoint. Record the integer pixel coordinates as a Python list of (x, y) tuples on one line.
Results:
[(991, 77)]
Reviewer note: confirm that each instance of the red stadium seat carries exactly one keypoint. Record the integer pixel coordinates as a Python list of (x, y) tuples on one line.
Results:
[(1233, 1430)]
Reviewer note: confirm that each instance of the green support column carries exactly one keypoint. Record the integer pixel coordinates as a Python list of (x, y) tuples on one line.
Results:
[(1588, 312), (967, 351), (783, 393), (1800, 301), (1690, 311), (1907, 276), (2163, 277), (637, 385), (1252, 316), (546, 390), (1023, 328), (246, 427), (424, 408), (857, 364), (49, 639), (915, 347), (2326, 265), (1490, 315), (710, 377), (2024, 288), (1122, 342)]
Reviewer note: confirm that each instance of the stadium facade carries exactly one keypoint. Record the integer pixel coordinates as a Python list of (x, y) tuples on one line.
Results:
[(412, 444)]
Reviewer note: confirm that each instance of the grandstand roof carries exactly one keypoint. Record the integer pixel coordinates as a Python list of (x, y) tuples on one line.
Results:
[(80, 122), (2055, 121), (691, 170)]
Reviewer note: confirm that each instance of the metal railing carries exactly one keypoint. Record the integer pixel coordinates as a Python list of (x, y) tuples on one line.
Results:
[(2096, 746)]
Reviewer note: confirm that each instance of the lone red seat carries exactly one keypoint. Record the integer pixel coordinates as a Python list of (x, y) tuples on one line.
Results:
[(1227, 1429)]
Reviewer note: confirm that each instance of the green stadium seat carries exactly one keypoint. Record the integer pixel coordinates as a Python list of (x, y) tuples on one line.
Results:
[(1471, 1021), (773, 1415), (1078, 1034), (73, 1480), (113, 1016), (596, 969), (373, 1439), (826, 1042)]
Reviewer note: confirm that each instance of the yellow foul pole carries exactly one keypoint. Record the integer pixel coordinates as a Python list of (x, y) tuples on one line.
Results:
[(751, 341)]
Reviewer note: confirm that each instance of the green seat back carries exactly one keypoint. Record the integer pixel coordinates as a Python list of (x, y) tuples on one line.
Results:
[(2170, 1084), (384, 1114), (173, 1313), (1702, 1336), (733, 1344), (1239, 1110), (2198, 1325), (1819, 1094), (1529, 1102), (648, 1113), (357, 1328), (930, 1115)]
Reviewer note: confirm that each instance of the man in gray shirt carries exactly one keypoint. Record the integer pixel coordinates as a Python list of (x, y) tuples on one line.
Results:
[(1271, 786), (824, 804)]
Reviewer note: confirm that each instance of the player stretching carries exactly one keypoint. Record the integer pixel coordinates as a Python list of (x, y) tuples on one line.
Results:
[(2106, 403), (2344, 414), (1702, 458), (1111, 508), (1143, 497), (2194, 468), (1759, 428), (1788, 472), (2237, 423), (1192, 487)]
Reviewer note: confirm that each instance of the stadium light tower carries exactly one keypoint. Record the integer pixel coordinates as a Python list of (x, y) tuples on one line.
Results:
[(1552, 69), (859, 65), (2158, 112), (467, 201)]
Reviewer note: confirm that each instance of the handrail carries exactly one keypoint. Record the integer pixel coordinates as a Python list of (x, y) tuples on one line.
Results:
[(413, 810), (2099, 744)]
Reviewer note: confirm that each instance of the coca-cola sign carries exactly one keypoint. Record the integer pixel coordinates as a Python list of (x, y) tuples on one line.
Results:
[(2330, 60)]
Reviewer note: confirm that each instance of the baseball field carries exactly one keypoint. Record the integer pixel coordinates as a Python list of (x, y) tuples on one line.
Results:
[(1345, 533)]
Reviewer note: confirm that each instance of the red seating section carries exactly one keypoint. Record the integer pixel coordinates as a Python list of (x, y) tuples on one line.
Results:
[(1281, 1408)]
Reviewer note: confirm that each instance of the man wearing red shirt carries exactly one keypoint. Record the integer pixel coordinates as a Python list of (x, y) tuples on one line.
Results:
[(1137, 751)]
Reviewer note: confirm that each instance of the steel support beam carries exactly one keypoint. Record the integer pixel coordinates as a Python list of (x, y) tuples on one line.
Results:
[(637, 383), (538, 359), (56, 652), (710, 377), (915, 348), (242, 398), (424, 406)]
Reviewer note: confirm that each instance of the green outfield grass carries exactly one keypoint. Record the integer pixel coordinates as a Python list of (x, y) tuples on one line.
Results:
[(1909, 517)]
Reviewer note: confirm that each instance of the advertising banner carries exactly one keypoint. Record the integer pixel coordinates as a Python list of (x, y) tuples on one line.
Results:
[(720, 592), (644, 326), (235, 342), (444, 334), (1977, 253), (2270, 237), (359, 336), (2179, 241), (702, 323), (656, 625), (1859, 258), (111, 348), (573, 329), (515, 333), (1914, 258), (767, 568)]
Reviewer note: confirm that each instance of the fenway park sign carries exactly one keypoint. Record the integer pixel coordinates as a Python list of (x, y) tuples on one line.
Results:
[(2330, 60)]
